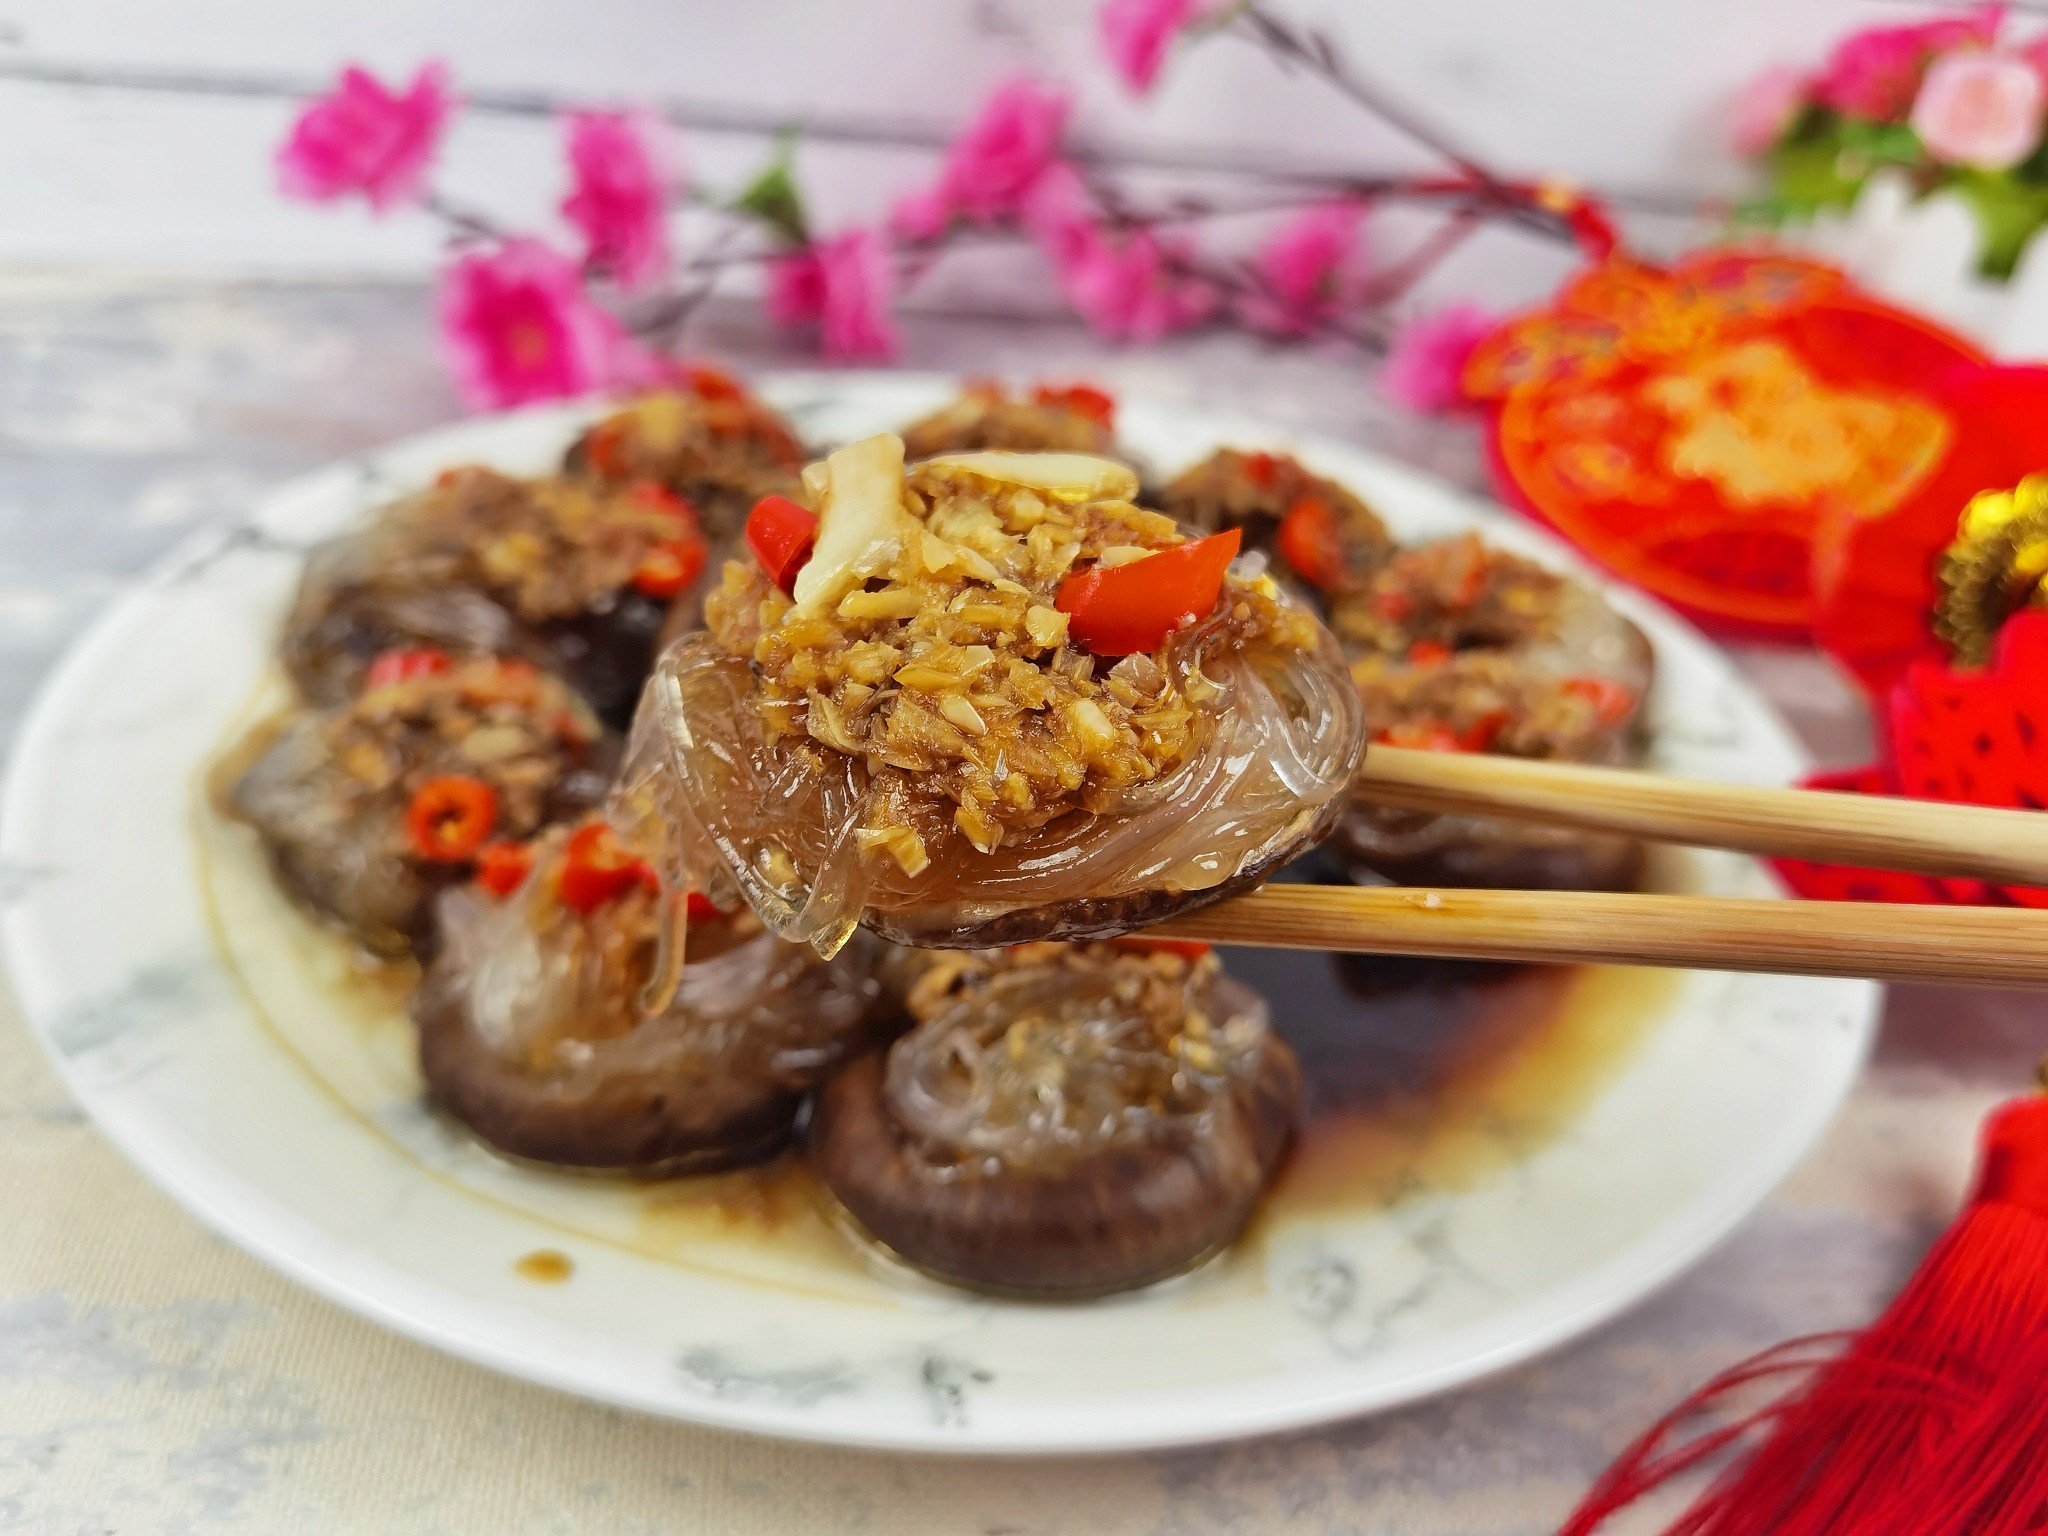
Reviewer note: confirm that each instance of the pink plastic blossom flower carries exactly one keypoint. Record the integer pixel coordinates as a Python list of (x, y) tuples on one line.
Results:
[(517, 326), (1765, 108), (1061, 216), (844, 286), (1425, 366), (1136, 35), (362, 137), (1876, 73), (1305, 270), (621, 176), (1980, 109), (1126, 286), (991, 168)]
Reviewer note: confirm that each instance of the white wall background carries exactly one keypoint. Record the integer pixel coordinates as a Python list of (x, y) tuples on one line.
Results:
[(1627, 96)]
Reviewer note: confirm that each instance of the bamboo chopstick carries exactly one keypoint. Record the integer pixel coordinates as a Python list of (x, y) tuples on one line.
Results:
[(1926, 836), (1970, 946)]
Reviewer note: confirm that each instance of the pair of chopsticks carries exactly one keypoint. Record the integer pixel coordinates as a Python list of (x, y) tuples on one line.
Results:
[(1974, 946)]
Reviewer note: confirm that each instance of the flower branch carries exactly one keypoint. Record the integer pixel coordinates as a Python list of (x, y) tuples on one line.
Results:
[(525, 319)]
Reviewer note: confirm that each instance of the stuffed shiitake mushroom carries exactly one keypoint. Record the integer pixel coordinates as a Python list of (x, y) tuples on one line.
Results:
[(1071, 419), (990, 700), (1461, 647), (570, 1018), (710, 442), (1314, 533), (370, 808), (1063, 1120), (575, 573)]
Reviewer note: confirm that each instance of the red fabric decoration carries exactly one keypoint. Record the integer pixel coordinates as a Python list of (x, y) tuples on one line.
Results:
[(1930, 1423), (1972, 736), (1688, 427), (1874, 574), (1843, 882)]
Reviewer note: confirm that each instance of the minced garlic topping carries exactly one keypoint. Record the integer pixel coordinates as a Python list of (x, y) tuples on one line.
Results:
[(926, 640)]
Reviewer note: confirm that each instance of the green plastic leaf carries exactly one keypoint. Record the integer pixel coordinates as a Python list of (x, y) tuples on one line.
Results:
[(1809, 175), (1881, 143), (773, 198), (2008, 211)]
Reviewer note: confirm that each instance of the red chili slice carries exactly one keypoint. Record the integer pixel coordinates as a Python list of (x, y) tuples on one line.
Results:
[(450, 817), (1310, 542), (1610, 700), (1262, 469), (656, 497), (1119, 610), (405, 664), (709, 383), (597, 868), (1422, 736), (1189, 950), (1481, 734), (605, 447), (667, 570), (1081, 399), (700, 908), (502, 867), (781, 535), (1429, 653)]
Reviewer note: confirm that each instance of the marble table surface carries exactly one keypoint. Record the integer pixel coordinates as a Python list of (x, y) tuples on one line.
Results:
[(153, 1379)]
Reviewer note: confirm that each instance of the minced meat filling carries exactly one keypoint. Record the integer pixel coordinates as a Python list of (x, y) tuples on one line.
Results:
[(1455, 647), (988, 417), (1457, 592), (1316, 530), (1483, 701), (723, 451), (504, 722), (1070, 1042), (950, 671), (547, 549), (1152, 982)]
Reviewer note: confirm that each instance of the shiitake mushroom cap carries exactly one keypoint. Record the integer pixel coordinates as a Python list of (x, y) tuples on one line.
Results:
[(339, 624), (1420, 848), (645, 1118), (1111, 1220), (335, 847), (677, 1094)]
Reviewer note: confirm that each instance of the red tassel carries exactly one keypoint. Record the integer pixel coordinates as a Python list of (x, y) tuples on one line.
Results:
[(1933, 1422)]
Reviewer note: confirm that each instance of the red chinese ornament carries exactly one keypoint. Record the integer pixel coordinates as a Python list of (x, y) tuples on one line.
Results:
[(1964, 717), (1928, 1423), (1690, 427), (1876, 571)]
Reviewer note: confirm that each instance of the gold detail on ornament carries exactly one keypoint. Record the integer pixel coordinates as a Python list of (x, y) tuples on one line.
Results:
[(1994, 569), (1753, 422)]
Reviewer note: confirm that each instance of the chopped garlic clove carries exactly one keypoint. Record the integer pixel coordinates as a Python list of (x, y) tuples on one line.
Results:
[(861, 521), (1067, 476)]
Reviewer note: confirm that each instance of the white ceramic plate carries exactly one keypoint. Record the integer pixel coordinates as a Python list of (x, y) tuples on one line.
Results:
[(216, 1038)]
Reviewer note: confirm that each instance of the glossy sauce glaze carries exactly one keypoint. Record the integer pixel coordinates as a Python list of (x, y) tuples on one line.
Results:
[(1418, 1074)]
